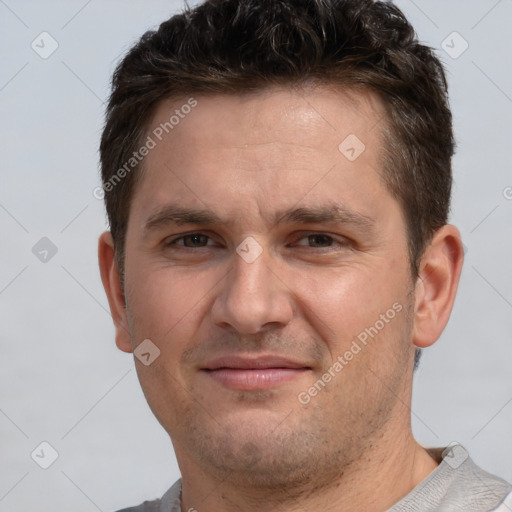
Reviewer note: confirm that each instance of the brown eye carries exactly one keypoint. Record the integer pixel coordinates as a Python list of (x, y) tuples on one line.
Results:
[(191, 240), (320, 240), (316, 240)]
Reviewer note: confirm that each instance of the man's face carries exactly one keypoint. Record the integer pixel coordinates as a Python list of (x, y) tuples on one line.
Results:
[(250, 312)]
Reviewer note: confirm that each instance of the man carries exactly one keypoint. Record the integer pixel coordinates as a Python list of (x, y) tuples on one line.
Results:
[(277, 179)]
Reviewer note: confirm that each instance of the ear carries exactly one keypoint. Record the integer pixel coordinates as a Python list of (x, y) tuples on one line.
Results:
[(436, 286), (112, 284)]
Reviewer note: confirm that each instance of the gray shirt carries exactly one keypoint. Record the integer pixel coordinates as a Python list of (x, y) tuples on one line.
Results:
[(457, 484)]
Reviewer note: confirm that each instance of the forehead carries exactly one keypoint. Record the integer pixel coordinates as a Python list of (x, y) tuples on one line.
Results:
[(262, 146), (298, 116)]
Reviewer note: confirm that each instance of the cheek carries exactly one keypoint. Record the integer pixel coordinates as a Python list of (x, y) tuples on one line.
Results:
[(158, 302), (165, 307), (164, 391), (169, 306), (345, 303)]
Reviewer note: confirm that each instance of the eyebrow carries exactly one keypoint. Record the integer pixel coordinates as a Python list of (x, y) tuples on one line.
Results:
[(332, 214)]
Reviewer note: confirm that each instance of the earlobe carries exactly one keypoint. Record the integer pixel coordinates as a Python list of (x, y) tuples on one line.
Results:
[(436, 286), (112, 284)]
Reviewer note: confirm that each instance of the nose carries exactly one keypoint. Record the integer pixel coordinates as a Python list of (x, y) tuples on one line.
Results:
[(253, 297)]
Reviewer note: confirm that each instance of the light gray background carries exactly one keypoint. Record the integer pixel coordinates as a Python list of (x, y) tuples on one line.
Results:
[(62, 379)]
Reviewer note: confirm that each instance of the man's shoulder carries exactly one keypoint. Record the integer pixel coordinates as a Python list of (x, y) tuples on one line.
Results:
[(147, 506), (170, 502), (457, 484)]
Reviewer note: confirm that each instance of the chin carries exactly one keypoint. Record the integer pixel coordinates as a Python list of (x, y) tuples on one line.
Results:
[(253, 451)]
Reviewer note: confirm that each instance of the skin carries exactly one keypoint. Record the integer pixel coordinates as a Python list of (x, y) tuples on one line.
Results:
[(304, 297)]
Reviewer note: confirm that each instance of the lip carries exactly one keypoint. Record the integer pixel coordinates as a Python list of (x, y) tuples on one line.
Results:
[(253, 373)]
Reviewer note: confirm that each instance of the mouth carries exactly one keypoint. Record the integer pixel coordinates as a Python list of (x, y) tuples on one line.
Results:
[(253, 374)]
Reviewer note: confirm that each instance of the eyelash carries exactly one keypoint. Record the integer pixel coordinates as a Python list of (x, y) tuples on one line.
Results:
[(333, 240)]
